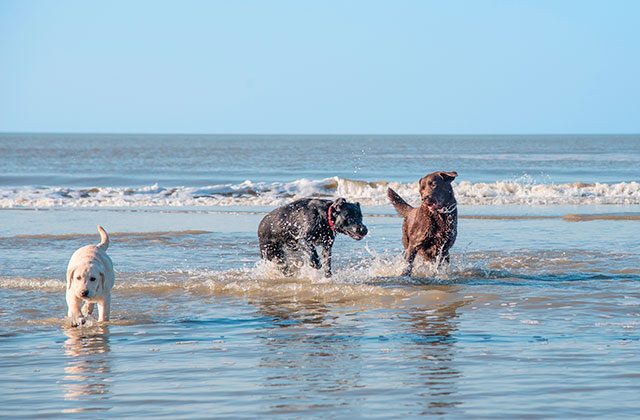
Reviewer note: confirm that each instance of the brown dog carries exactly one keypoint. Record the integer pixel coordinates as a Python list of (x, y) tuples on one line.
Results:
[(430, 229)]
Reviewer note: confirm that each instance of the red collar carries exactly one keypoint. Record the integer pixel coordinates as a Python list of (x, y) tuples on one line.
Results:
[(331, 223)]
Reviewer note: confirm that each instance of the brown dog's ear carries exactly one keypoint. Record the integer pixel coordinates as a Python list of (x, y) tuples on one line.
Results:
[(448, 176), (420, 186), (424, 182)]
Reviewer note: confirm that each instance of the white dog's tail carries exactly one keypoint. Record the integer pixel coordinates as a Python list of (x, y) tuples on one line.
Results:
[(104, 239)]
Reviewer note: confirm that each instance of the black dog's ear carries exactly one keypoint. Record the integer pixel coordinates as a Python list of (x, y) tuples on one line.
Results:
[(448, 176), (338, 203), (358, 204)]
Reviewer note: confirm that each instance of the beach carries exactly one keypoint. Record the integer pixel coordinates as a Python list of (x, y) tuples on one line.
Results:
[(538, 311)]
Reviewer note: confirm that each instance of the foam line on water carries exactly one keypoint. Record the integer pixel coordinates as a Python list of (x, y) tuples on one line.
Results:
[(122, 235), (250, 193)]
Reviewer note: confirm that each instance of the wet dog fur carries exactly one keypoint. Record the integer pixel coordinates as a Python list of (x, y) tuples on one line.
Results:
[(305, 224), (90, 278), (430, 229)]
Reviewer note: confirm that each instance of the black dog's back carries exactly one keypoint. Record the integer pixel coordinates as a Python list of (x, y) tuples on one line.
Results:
[(285, 224)]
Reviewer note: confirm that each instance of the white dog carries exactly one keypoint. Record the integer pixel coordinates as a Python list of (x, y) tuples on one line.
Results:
[(90, 278)]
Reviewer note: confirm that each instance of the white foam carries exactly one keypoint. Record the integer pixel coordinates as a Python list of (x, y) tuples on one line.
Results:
[(250, 193)]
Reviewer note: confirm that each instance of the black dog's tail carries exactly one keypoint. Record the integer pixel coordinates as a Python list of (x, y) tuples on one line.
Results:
[(402, 207)]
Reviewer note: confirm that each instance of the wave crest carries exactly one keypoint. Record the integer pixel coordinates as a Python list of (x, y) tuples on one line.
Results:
[(250, 193)]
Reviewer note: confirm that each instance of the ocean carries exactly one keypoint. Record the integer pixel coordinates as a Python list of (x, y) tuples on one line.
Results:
[(537, 315)]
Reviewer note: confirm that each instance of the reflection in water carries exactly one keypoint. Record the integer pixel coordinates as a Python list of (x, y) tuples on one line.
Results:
[(285, 314), (433, 332), (310, 350), (328, 355), (87, 370)]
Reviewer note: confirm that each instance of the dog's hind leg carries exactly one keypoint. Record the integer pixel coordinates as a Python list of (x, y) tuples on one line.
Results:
[(275, 253)]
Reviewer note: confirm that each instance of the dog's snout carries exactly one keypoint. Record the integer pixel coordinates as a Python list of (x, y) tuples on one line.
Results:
[(362, 230), (85, 293)]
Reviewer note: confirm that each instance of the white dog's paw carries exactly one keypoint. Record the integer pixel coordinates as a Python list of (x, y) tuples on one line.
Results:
[(78, 321)]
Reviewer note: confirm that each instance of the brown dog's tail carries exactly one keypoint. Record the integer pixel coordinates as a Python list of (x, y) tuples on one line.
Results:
[(104, 239), (402, 207)]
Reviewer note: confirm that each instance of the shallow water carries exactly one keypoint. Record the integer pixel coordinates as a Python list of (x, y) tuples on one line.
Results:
[(538, 314), (522, 323)]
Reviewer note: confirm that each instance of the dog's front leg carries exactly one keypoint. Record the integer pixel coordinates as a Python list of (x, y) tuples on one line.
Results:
[(73, 312), (104, 307), (310, 250), (326, 260), (409, 257), (87, 309), (443, 260)]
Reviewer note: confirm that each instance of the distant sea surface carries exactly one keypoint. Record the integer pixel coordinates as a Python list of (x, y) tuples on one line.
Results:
[(538, 314), (150, 170)]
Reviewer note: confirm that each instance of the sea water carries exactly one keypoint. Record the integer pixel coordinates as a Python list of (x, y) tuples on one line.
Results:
[(538, 313)]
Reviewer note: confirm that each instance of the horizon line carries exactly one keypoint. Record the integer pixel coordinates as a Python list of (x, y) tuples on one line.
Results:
[(314, 134)]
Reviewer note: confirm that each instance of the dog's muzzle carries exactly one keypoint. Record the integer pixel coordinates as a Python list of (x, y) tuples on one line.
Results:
[(434, 204), (358, 232)]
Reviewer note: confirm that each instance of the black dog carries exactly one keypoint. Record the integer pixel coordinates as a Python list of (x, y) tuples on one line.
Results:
[(305, 224)]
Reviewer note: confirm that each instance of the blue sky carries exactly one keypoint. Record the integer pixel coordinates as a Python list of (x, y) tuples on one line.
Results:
[(371, 67)]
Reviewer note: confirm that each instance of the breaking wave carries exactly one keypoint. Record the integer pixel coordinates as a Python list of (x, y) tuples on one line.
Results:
[(250, 193)]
